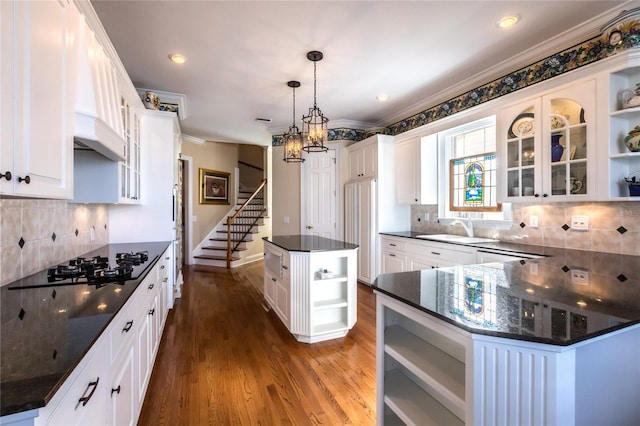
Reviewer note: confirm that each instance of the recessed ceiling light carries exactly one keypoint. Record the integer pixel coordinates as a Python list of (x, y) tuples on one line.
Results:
[(177, 58), (382, 97), (507, 21)]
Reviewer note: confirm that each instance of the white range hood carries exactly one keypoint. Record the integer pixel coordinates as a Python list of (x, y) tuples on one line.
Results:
[(98, 119)]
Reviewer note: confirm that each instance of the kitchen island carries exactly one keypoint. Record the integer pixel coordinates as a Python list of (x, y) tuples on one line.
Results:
[(553, 340), (310, 282)]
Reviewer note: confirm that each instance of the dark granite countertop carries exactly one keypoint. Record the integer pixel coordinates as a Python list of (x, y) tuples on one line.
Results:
[(308, 243), (46, 331), (536, 300)]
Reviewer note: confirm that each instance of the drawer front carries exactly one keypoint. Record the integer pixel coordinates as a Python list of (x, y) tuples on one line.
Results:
[(84, 402), (124, 326), (393, 244)]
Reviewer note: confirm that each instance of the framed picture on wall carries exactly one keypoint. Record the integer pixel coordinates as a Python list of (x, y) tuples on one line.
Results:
[(214, 187)]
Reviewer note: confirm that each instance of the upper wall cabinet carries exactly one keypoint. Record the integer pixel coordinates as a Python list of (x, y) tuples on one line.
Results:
[(417, 170), (623, 114), (546, 146), (37, 75), (363, 160)]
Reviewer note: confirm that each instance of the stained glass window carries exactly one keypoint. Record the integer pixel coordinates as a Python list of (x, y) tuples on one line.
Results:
[(473, 183)]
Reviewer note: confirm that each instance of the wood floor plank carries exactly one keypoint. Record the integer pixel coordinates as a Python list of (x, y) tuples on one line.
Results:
[(224, 359)]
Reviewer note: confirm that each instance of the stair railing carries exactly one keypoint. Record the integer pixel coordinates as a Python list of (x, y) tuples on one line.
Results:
[(244, 219)]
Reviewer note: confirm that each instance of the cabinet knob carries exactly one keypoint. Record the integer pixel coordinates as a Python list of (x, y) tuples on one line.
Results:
[(415, 199), (545, 195), (309, 226), (26, 179), (6, 175), (536, 195)]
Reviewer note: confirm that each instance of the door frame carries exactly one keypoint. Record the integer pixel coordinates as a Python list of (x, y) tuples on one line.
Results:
[(337, 147), (187, 202)]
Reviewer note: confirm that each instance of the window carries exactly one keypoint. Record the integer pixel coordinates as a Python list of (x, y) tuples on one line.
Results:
[(469, 175)]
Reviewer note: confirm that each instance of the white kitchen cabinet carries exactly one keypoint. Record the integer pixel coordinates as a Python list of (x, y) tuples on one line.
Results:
[(431, 372), (407, 254), (416, 171), (122, 394), (314, 293), (82, 398), (532, 169), (363, 160), (37, 75), (98, 179), (371, 207), (618, 162), (393, 253), (277, 282)]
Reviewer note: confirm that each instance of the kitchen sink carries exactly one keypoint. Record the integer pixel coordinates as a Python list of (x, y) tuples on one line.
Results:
[(456, 239)]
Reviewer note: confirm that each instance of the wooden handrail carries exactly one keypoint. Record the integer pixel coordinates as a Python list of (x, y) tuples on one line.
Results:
[(231, 219), (251, 165)]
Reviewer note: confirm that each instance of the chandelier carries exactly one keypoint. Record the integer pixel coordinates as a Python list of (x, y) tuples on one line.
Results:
[(293, 138), (314, 125)]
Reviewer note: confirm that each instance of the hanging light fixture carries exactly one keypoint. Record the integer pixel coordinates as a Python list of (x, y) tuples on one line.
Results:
[(314, 125), (293, 137)]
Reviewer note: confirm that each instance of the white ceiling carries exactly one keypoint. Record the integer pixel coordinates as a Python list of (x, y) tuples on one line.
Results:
[(242, 53)]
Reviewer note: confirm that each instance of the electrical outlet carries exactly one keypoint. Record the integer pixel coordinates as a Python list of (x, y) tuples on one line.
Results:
[(426, 216), (580, 223), (286, 219), (533, 221), (580, 276)]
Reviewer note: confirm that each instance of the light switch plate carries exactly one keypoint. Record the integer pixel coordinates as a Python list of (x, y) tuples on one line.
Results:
[(533, 221), (580, 223)]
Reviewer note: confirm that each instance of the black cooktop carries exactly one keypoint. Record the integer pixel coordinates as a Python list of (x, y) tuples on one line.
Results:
[(97, 268)]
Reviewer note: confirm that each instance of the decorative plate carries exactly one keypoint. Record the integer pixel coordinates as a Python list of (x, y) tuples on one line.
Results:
[(522, 126)]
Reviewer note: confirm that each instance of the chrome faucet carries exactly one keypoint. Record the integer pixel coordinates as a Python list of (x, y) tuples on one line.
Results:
[(466, 224)]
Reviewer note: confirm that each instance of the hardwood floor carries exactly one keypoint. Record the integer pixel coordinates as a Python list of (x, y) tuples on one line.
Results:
[(224, 359)]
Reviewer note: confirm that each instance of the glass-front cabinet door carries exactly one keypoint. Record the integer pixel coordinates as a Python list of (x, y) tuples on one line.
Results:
[(549, 158)]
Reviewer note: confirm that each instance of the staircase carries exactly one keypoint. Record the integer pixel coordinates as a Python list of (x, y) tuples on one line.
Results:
[(231, 238)]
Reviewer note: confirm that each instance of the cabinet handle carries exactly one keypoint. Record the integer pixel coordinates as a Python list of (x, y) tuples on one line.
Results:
[(26, 179), (436, 253), (7, 175), (165, 280), (116, 390), (273, 279), (127, 327), (151, 286), (392, 255), (392, 245), (152, 311), (161, 266), (285, 267), (86, 399)]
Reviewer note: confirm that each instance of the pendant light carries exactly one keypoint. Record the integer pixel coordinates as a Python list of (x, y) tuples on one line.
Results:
[(314, 125), (293, 137)]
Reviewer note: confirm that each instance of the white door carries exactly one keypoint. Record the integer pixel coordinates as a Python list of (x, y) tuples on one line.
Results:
[(319, 197)]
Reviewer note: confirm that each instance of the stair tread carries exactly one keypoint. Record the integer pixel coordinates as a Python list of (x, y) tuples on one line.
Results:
[(222, 248), (212, 257), (234, 240)]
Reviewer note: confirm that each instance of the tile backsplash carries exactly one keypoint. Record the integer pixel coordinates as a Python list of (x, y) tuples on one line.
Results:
[(614, 227), (37, 234)]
